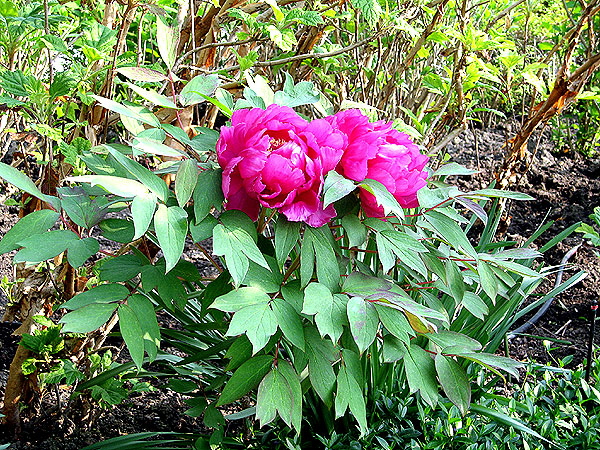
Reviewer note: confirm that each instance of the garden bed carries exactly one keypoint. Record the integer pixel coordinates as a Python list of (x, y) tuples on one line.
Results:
[(566, 187)]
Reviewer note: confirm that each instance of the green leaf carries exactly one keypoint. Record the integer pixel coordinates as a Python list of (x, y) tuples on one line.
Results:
[(500, 194), (123, 187), (145, 145), (280, 392), (118, 230), (207, 193), (171, 290), (10, 102), (81, 250), (350, 396), (143, 175), (355, 230), (395, 322), (38, 220), (167, 39), (488, 280), (383, 197), (266, 280), (198, 88), (237, 219), (450, 231), (141, 114), (204, 229), (223, 100), (24, 183), (310, 18), (405, 247), (363, 320), (142, 210), (303, 93), (420, 373), (321, 242), (336, 187), (233, 241), (292, 293), (258, 322), (453, 169), (213, 418), (142, 74), (321, 355), (61, 85), (508, 421), (276, 10), (15, 82), (8, 9), (358, 283), (105, 293), (236, 261), (152, 96), (245, 378), (170, 224), (369, 9), (41, 247), (238, 352), (487, 359), (121, 268), (329, 310), (413, 310), (394, 349), (259, 87), (473, 303), (88, 318), (239, 298), (286, 236), (455, 281), (284, 39), (289, 322), (80, 207), (144, 311), (445, 339), (131, 331), (512, 266), (185, 181), (454, 382)]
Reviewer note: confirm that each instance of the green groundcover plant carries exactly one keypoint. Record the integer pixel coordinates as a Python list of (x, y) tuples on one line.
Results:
[(343, 260)]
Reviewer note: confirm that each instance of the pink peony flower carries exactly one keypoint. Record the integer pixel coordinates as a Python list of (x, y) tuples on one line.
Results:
[(362, 146), (276, 159), (379, 152)]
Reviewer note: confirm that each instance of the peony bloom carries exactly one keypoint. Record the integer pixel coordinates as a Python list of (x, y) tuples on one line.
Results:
[(363, 144), (379, 152), (276, 159)]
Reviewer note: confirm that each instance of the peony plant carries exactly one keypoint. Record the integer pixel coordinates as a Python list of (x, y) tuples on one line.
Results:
[(334, 257)]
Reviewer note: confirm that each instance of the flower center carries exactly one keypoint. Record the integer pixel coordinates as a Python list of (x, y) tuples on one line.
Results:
[(276, 143)]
